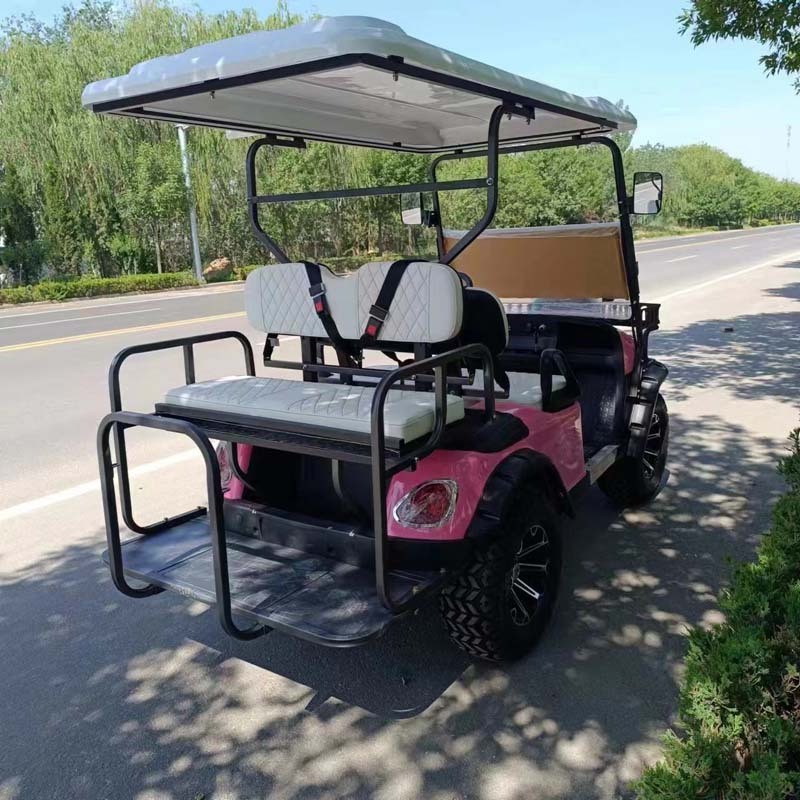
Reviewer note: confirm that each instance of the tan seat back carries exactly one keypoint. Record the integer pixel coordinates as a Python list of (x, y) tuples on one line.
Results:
[(562, 261)]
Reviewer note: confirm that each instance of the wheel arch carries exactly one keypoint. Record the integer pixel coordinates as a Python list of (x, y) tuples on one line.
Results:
[(520, 467), (653, 377)]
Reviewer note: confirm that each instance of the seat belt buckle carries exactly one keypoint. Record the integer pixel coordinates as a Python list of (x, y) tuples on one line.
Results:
[(317, 292), (377, 316)]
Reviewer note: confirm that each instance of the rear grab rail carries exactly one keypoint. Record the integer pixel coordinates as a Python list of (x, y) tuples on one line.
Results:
[(380, 475)]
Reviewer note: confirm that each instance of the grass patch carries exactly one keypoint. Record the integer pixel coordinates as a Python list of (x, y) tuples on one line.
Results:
[(739, 710), (658, 232), (95, 287)]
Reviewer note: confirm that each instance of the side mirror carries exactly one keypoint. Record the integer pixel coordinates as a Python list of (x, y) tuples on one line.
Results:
[(412, 209), (648, 192), (415, 211)]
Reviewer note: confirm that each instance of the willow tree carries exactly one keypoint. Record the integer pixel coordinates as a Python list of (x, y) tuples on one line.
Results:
[(79, 168)]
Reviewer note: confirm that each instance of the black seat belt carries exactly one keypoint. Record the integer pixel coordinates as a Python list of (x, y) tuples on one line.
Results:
[(380, 310), (344, 350)]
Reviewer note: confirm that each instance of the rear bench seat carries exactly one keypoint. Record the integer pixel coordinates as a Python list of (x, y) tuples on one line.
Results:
[(407, 415), (427, 309)]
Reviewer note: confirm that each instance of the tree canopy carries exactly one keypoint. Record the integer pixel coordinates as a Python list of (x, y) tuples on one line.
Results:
[(88, 195), (773, 23)]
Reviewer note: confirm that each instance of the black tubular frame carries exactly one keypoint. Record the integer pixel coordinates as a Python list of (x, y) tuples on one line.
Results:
[(187, 344), (118, 421), (623, 205), (380, 474), (489, 183)]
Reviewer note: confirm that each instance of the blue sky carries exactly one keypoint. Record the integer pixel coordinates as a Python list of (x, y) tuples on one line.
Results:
[(717, 93)]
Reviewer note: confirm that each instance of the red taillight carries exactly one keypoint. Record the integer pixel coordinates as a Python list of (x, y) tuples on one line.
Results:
[(428, 505), (225, 468)]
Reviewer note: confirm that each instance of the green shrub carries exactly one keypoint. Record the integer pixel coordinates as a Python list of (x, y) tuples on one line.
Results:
[(241, 273), (740, 700), (94, 287)]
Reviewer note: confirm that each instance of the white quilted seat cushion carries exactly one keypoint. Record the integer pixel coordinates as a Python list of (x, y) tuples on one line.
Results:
[(407, 415), (525, 387), (427, 306)]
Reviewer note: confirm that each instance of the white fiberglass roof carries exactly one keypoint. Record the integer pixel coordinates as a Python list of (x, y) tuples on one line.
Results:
[(351, 79)]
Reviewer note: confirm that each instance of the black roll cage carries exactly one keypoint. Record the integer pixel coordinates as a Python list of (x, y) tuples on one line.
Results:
[(490, 183), (644, 317)]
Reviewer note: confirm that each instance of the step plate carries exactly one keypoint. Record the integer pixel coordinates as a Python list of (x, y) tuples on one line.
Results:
[(309, 596)]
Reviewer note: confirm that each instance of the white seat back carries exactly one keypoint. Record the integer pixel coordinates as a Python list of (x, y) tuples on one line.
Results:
[(427, 307)]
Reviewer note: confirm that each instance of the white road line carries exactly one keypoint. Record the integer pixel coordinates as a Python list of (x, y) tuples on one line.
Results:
[(682, 258), (722, 236), (91, 486), (76, 319), (67, 308), (773, 262), (740, 247)]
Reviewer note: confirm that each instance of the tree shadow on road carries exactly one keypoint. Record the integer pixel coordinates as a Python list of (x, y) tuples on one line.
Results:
[(791, 290), (109, 697), (752, 356)]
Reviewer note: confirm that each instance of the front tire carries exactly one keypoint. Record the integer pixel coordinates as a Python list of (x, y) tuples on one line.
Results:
[(636, 481), (498, 608)]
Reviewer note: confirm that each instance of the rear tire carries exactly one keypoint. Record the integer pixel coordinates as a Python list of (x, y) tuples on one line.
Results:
[(499, 606), (635, 481)]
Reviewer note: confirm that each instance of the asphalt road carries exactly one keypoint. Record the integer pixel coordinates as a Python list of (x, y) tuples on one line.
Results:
[(106, 697)]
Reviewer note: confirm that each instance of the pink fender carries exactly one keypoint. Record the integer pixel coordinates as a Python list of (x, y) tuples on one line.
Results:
[(628, 351), (236, 487), (557, 435)]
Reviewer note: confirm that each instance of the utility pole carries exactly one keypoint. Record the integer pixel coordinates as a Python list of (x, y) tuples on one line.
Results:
[(788, 152), (187, 178)]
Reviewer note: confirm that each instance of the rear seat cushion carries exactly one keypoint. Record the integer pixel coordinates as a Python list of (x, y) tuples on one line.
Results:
[(427, 307), (407, 415)]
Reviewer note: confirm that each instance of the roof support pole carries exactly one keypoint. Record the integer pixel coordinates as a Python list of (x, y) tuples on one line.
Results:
[(471, 235), (252, 202)]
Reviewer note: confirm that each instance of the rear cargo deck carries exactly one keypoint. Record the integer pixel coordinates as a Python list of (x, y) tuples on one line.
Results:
[(310, 596)]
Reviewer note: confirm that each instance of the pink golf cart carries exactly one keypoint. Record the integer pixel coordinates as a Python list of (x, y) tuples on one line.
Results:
[(520, 375)]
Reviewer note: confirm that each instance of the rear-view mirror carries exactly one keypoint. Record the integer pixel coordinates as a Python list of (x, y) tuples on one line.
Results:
[(412, 209), (648, 192)]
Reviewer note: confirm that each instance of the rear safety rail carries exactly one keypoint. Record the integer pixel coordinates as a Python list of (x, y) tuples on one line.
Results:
[(380, 474)]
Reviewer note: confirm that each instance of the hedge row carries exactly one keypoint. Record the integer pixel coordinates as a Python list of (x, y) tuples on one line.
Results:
[(740, 699), (94, 287)]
